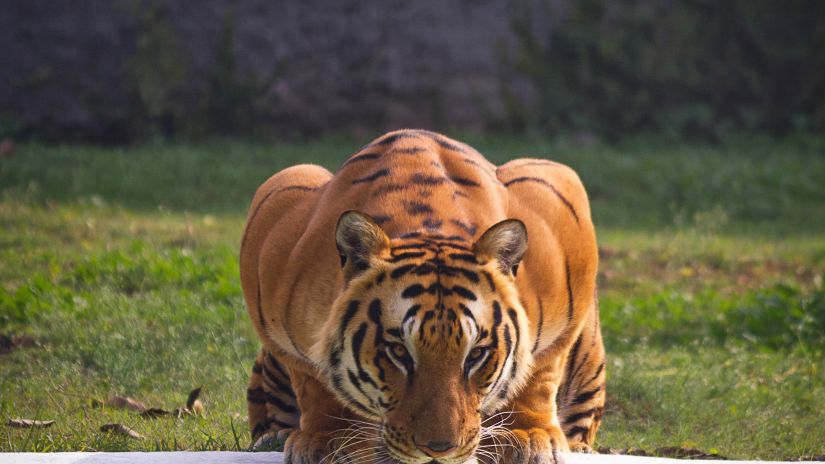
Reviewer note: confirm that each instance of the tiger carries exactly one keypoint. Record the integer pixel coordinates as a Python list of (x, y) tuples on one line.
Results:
[(404, 318)]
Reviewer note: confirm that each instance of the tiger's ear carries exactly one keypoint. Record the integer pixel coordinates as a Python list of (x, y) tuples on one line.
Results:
[(358, 238), (506, 242)]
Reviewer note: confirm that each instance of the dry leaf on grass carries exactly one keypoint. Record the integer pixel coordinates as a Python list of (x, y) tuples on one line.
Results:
[(120, 429), (153, 413), (193, 404), (193, 407), (28, 423)]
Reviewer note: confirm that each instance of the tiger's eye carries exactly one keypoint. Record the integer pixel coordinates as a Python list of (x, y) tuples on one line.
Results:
[(475, 353), (399, 350)]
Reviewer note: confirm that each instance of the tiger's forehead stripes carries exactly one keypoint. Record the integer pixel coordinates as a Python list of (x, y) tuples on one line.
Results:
[(438, 257)]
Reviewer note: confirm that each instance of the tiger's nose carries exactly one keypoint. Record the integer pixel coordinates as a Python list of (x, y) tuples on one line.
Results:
[(437, 449)]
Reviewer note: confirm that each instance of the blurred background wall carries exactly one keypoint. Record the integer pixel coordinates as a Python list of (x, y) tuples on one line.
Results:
[(120, 71)]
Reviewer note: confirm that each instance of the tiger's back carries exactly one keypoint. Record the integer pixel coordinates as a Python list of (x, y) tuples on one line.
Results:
[(418, 183)]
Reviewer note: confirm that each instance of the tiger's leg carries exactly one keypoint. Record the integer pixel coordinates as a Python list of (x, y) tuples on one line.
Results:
[(581, 397), (534, 435), (329, 433), (270, 400)]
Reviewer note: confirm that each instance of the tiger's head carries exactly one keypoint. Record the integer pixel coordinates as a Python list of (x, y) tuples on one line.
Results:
[(428, 336)]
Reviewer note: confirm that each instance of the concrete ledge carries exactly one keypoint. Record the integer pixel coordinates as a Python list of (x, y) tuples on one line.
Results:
[(212, 457)]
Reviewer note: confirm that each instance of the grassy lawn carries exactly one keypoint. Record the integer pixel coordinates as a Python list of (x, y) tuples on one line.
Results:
[(121, 265)]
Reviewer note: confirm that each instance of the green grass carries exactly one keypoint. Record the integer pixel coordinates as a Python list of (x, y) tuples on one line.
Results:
[(121, 263)]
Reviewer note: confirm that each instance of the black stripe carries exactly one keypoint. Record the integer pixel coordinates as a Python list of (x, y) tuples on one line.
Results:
[(388, 188), (427, 316), (413, 291), (580, 365), (407, 255), (357, 343), (540, 325), (406, 151), (410, 313), (577, 430), (395, 332), (280, 404), (401, 271), (579, 416), (424, 179), (475, 163), (337, 382), (432, 224), (442, 142), (470, 229), (276, 382), (494, 341), (259, 396), (514, 319), (586, 396), (561, 197), (379, 173), (489, 278), (571, 364), (468, 313), (375, 311), (276, 365), (470, 258), (470, 275), (264, 426), (364, 157), (490, 171), (256, 395), (570, 307), (413, 246), (352, 308), (464, 293), (496, 324), (464, 182), (514, 366), (596, 375), (416, 208), (392, 138)]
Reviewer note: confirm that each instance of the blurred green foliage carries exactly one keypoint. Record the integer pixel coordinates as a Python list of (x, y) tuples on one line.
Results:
[(685, 68), (172, 101), (778, 317), (753, 183)]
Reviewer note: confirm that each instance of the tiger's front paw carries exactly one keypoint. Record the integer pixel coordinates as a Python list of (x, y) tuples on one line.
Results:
[(327, 448), (581, 447), (267, 442), (528, 446)]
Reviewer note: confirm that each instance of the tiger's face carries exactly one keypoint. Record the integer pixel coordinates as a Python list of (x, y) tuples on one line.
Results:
[(428, 336)]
